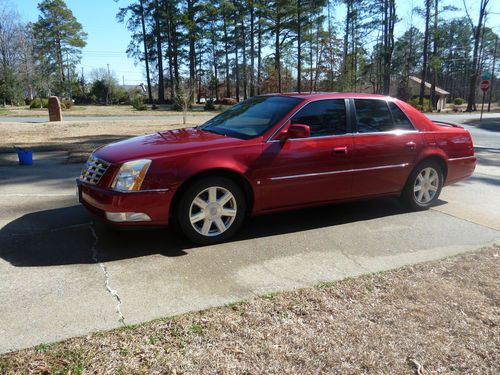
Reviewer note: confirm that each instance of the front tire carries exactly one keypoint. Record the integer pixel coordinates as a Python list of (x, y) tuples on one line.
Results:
[(211, 210), (423, 186)]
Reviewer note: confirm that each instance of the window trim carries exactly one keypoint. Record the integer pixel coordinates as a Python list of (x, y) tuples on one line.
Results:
[(354, 124), (349, 127)]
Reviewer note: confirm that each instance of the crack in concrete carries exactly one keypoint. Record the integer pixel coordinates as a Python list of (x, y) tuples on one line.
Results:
[(351, 258), (113, 292)]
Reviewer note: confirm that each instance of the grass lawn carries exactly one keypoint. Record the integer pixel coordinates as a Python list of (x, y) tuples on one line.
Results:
[(435, 317), (103, 110)]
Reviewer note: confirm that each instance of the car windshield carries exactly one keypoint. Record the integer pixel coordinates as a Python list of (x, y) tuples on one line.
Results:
[(251, 118)]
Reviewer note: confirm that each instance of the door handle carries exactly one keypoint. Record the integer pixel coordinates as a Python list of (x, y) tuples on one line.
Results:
[(340, 150), (411, 145)]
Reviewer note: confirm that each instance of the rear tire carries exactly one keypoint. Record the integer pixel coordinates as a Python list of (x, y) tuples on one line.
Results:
[(423, 186), (211, 210)]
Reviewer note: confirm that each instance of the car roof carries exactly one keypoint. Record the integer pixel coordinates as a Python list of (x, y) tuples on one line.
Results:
[(330, 95)]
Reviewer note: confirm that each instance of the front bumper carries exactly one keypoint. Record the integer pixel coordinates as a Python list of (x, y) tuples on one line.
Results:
[(153, 203)]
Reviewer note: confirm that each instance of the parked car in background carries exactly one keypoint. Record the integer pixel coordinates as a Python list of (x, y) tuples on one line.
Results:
[(274, 153)]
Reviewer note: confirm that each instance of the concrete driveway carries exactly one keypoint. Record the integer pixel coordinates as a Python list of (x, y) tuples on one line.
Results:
[(62, 275)]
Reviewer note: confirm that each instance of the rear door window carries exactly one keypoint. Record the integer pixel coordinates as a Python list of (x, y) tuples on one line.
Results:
[(324, 117), (373, 116)]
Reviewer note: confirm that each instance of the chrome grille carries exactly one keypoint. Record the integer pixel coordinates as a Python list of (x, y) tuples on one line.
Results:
[(94, 170)]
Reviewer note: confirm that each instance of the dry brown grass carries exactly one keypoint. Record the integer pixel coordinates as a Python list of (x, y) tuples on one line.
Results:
[(81, 136), (441, 315)]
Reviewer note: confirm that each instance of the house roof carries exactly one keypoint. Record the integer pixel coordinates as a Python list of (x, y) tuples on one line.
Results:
[(428, 85)]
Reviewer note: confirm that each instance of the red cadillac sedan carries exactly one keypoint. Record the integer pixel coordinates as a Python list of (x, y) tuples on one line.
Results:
[(274, 153)]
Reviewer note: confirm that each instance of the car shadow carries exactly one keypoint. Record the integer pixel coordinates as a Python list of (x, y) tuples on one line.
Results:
[(70, 235)]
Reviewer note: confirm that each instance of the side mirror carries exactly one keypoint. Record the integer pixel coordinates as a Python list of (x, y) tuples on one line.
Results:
[(297, 131)]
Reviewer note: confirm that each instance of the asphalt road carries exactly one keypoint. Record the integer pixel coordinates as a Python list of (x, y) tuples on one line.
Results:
[(62, 275)]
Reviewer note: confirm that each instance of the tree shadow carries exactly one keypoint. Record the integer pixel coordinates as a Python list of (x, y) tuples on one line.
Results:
[(70, 235), (490, 124)]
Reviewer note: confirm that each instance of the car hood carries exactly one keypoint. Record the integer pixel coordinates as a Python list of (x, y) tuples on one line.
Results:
[(168, 143)]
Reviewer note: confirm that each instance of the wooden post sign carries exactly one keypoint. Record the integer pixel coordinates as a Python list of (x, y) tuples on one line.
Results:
[(55, 113)]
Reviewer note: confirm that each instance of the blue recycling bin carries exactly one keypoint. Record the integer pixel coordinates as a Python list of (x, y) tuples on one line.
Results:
[(25, 156)]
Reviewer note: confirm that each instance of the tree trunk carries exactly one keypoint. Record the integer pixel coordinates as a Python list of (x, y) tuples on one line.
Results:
[(192, 49), (434, 56), (346, 44), (175, 45), (426, 43), (252, 52), (471, 97), (390, 15), (243, 52), (236, 62), (143, 23), (161, 84), (259, 51), (299, 45), (226, 51), (277, 57), (493, 73)]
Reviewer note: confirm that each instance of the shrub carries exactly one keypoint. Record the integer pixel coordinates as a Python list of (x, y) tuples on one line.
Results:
[(63, 105), (39, 103), (458, 101), (180, 101), (425, 108), (209, 105), (138, 103), (68, 103)]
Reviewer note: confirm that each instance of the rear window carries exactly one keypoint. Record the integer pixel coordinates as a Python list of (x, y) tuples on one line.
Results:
[(400, 120)]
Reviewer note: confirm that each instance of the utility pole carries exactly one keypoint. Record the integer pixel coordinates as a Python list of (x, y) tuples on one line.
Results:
[(493, 73)]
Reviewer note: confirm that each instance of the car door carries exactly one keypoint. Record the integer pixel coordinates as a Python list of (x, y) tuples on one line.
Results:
[(386, 146), (308, 170)]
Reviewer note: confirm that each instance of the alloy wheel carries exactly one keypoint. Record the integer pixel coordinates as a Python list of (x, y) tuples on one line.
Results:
[(426, 185), (213, 211)]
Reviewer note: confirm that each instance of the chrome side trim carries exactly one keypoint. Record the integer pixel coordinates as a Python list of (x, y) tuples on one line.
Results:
[(463, 158), (337, 172), (141, 191)]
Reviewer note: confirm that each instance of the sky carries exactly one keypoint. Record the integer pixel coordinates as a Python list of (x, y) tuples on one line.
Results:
[(108, 40)]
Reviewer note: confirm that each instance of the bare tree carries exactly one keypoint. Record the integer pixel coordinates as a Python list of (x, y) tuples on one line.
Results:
[(476, 33)]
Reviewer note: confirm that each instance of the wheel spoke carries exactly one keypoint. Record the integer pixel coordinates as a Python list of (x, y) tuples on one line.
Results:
[(207, 224), (220, 225), (200, 202), (419, 195), (197, 217), (433, 188), (212, 195), (427, 196), (433, 178), (228, 212), (225, 198), (417, 188)]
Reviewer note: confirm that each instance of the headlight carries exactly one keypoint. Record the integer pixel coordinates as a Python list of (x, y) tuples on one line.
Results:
[(131, 175)]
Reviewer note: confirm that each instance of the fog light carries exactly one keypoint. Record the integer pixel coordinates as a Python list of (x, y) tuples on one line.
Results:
[(120, 217)]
